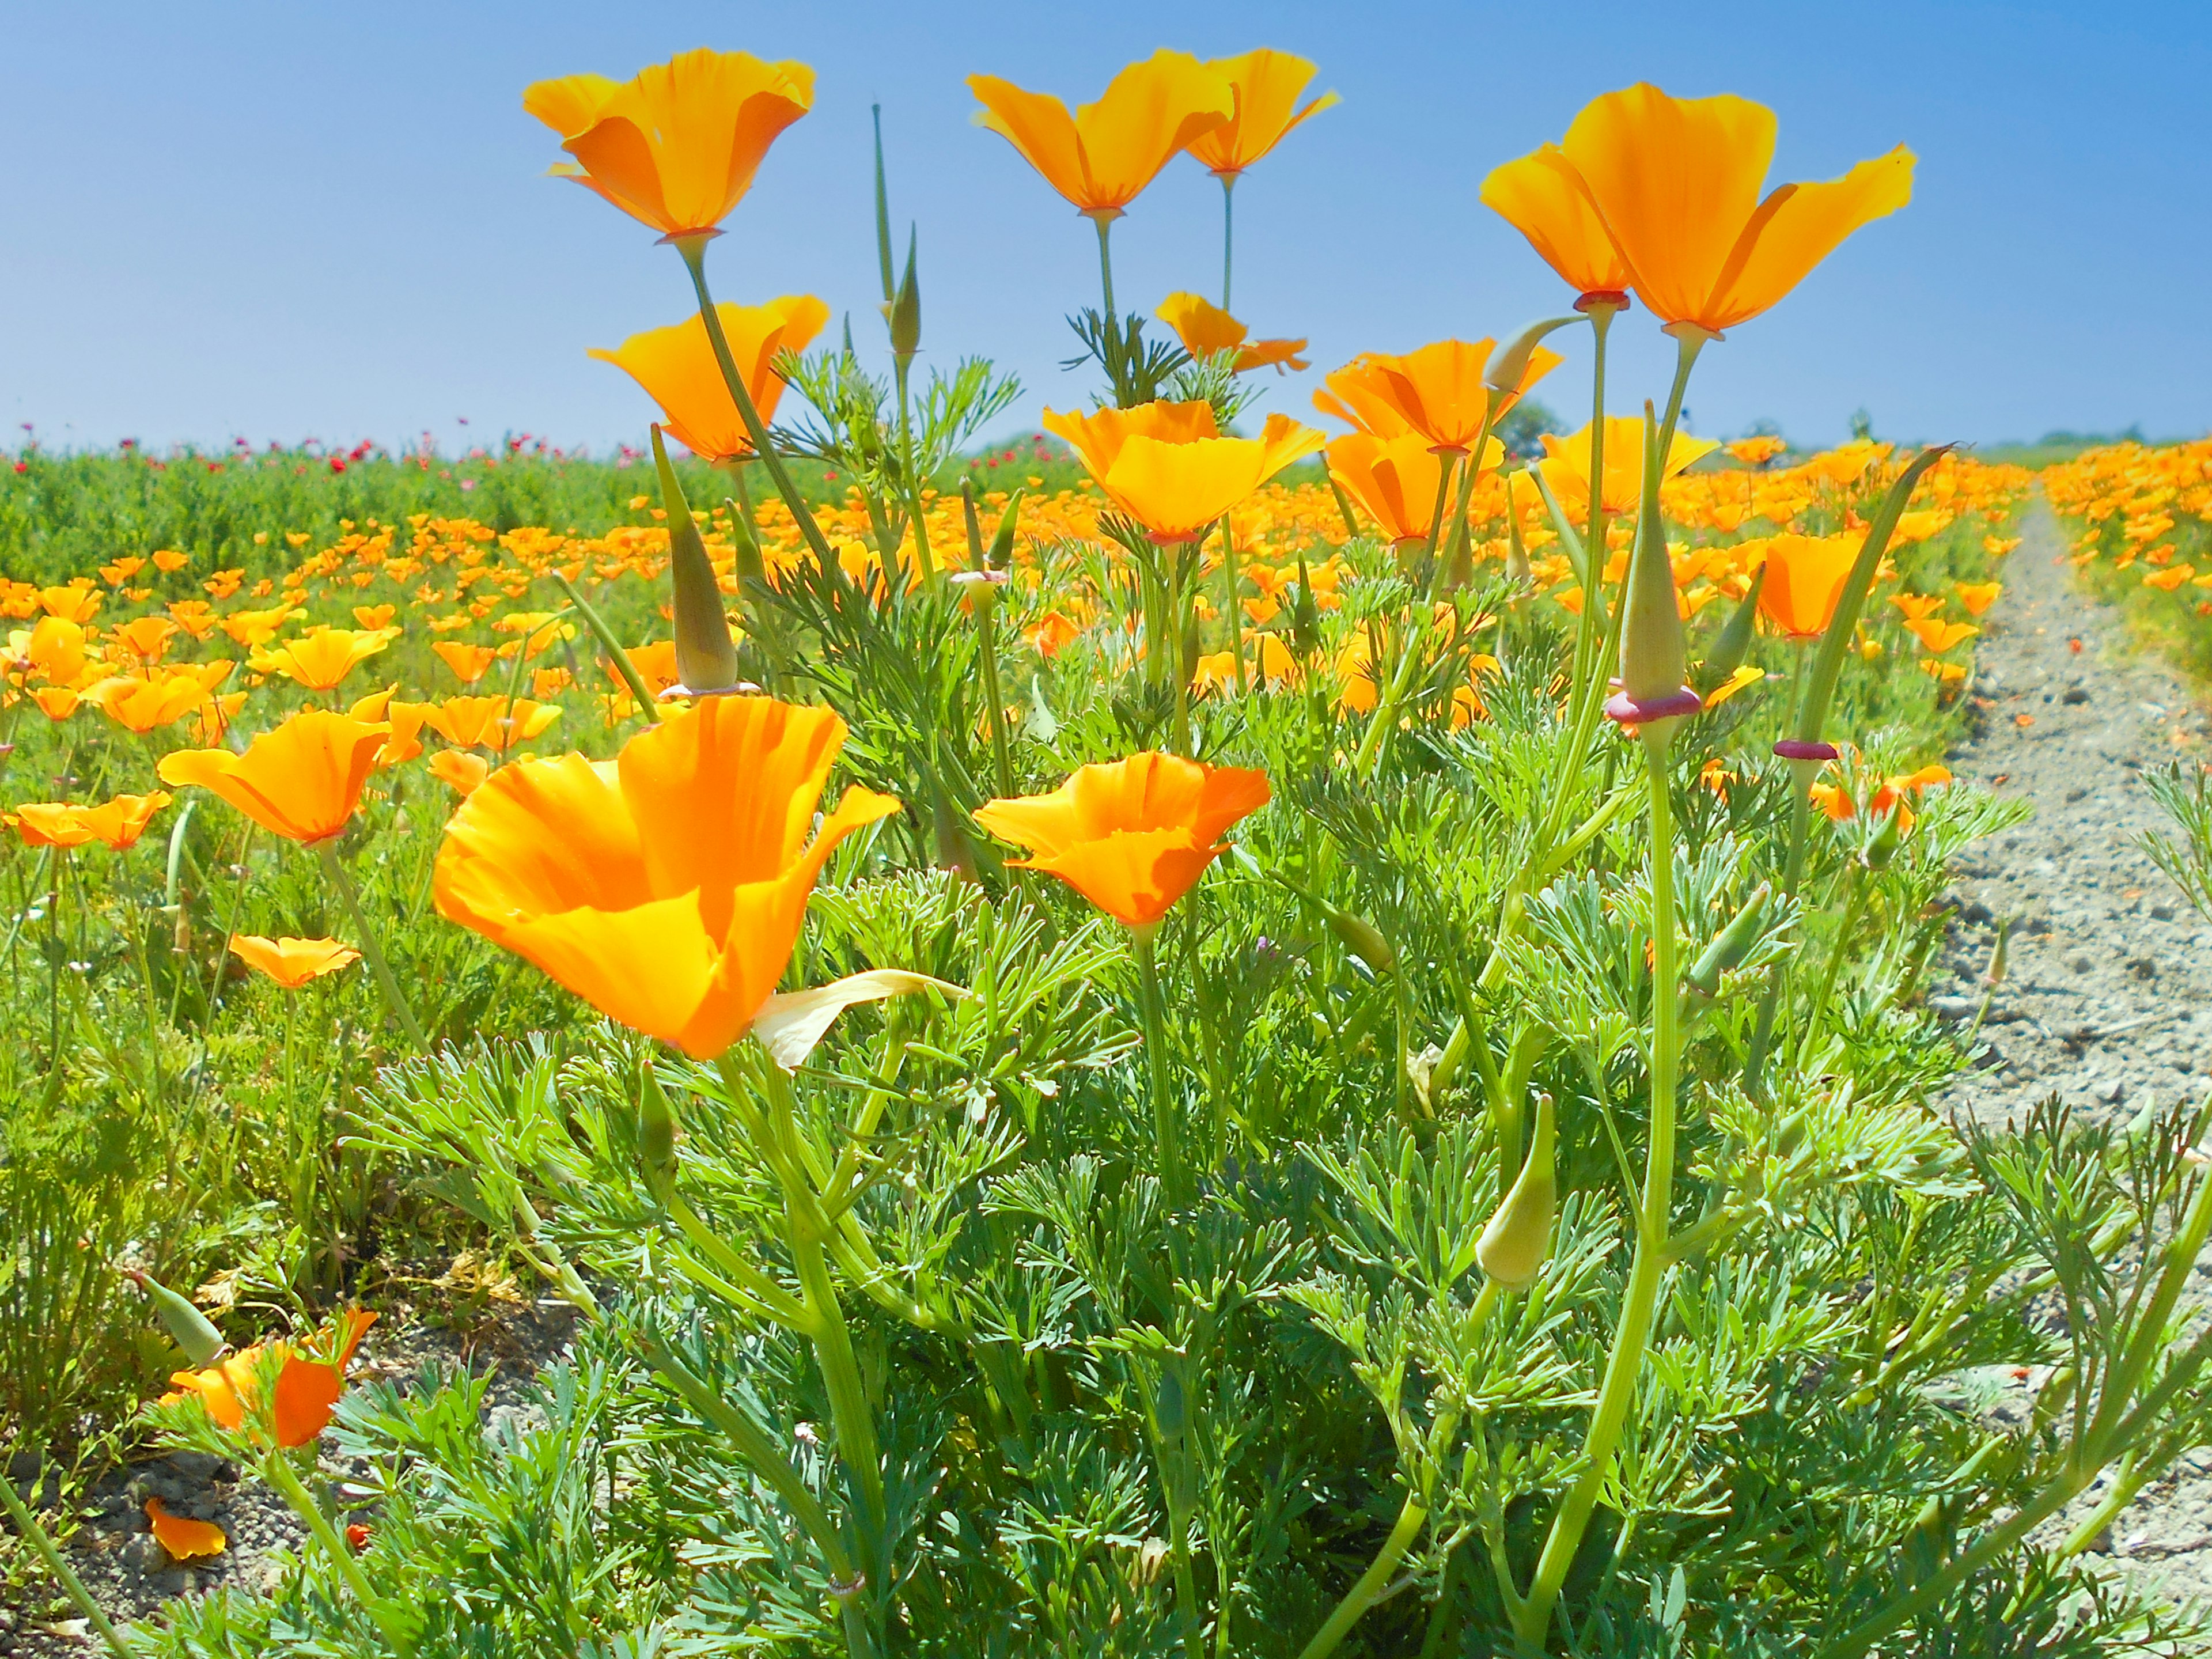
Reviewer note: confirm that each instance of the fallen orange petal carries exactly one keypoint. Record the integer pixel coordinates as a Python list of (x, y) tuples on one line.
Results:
[(182, 1537)]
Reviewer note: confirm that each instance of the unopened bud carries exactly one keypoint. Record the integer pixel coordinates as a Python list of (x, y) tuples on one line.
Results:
[(1996, 975), (1002, 544), (656, 1135), (1651, 657), (1169, 1412), (905, 308), (1363, 939), (706, 656), (1731, 945), (1734, 643), (1514, 1247), (1509, 364), (191, 1328)]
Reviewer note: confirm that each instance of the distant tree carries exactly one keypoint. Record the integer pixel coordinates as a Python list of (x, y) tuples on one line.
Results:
[(1523, 424)]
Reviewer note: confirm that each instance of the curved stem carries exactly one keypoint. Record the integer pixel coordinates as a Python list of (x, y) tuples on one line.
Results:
[(694, 250), (394, 998), (1618, 1392), (1362, 1595)]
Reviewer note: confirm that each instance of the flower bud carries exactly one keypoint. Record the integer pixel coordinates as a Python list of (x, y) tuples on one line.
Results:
[(1002, 544), (706, 656), (1731, 945), (905, 308), (1169, 1412), (656, 1135), (1513, 1247), (1363, 939), (191, 1328), (1651, 656), (1734, 643), (1509, 364)]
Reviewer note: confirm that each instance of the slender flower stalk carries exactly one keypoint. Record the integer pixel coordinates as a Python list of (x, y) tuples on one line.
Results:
[(28, 1525), (1167, 1117), (349, 896), (1616, 1393), (1228, 235)]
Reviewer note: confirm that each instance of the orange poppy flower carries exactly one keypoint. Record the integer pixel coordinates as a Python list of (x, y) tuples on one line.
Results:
[(323, 658), (73, 603), (375, 616), (460, 769), (1757, 450), (678, 370), (488, 722), (665, 887), (1134, 836), (1266, 85), (469, 662), (1805, 577), (1166, 465), (293, 962), (1676, 181), (182, 1538), (677, 146), (1205, 328), (56, 703), (1437, 391), (1914, 606), (1939, 636), (145, 705), (55, 648), (145, 637), (405, 719), (1566, 463), (1978, 597), (1395, 479), (656, 662), (196, 617), (118, 822), (301, 780), (1102, 157), (1543, 200), (306, 1387)]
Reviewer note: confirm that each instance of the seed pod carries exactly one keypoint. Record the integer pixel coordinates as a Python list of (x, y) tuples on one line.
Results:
[(1731, 945), (1513, 1247), (191, 1328), (706, 656), (656, 1135), (1002, 544)]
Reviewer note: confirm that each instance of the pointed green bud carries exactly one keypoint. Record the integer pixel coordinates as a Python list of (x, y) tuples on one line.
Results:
[(1996, 975), (1168, 1410), (1731, 945), (1509, 364), (1734, 643), (1652, 657), (1002, 544), (883, 219), (191, 1328), (906, 307), (1514, 1247), (1518, 570), (1305, 614), (706, 656), (656, 1135), (1363, 939)]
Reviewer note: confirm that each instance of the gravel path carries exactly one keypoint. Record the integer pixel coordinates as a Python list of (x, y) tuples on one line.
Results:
[(2107, 997)]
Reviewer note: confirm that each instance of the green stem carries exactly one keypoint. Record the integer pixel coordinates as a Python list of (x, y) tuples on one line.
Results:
[(1594, 613), (394, 998), (1104, 218), (612, 646), (694, 250), (1618, 1392), (1174, 1174), (899, 368), (1228, 232), (1411, 1517), (277, 1470), (1235, 611), (42, 1541), (1854, 876), (805, 1232)]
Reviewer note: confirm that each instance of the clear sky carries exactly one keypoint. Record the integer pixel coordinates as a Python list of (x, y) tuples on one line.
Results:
[(280, 220)]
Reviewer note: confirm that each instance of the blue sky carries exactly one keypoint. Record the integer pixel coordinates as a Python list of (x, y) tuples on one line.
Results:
[(285, 220)]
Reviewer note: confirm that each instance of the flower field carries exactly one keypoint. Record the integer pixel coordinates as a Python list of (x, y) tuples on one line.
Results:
[(1200, 1033)]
